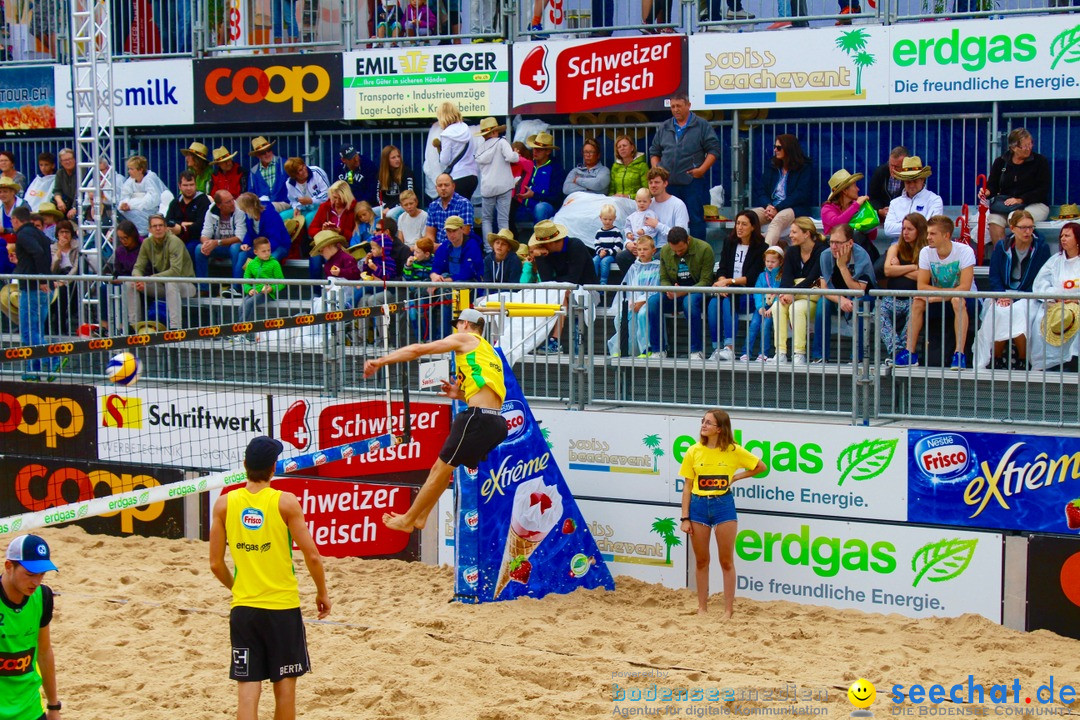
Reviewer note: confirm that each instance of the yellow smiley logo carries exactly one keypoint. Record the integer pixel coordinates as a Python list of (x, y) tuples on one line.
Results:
[(861, 694)]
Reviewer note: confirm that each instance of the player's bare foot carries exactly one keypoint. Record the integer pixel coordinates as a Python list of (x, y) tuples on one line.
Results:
[(702, 611), (419, 523), (398, 522), (728, 614)]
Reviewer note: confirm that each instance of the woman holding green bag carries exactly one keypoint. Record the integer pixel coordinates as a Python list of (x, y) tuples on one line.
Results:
[(846, 206)]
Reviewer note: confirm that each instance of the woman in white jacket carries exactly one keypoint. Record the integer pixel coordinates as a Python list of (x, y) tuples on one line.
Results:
[(456, 150), (1059, 276), (494, 157), (140, 195)]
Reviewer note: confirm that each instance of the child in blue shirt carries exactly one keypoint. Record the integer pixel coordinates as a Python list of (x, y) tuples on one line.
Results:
[(764, 305)]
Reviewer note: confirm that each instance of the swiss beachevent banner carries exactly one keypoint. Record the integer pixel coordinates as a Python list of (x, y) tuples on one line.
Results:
[(990, 480), (814, 469), (399, 83), (939, 62), (151, 92)]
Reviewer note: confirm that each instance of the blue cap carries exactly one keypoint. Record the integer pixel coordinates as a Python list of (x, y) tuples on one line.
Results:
[(262, 453), (32, 552)]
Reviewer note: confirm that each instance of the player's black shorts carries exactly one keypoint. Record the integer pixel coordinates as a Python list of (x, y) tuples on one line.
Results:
[(474, 433), (267, 644)]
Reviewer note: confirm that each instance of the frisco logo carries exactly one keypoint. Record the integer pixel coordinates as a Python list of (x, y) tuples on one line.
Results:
[(319, 459), (472, 519), (347, 452), (514, 413), (944, 456), (471, 574), (251, 518), (291, 466)]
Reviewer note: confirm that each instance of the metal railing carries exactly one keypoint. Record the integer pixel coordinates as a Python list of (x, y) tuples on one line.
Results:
[(957, 147), (598, 363)]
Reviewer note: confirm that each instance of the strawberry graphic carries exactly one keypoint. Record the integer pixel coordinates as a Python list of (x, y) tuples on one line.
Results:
[(520, 569), (1072, 514), (568, 526)]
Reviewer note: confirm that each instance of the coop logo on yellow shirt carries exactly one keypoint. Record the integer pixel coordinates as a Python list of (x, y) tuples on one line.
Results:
[(121, 412)]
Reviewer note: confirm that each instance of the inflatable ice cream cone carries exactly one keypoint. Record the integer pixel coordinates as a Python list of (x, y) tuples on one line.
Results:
[(537, 509)]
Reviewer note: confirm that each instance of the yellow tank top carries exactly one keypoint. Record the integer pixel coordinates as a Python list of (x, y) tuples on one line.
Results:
[(480, 368), (261, 548)]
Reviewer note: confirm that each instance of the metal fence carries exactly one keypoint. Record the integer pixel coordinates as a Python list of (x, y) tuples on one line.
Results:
[(957, 147), (846, 369), (191, 28)]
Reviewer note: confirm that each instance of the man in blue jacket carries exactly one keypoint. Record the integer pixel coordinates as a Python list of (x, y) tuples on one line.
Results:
[(457, 260)]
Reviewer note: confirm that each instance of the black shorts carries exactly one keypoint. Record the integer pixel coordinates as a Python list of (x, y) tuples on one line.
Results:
[(267, 644), (474, 433)]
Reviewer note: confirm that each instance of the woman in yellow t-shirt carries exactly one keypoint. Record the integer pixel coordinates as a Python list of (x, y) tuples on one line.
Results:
[(709, 468)]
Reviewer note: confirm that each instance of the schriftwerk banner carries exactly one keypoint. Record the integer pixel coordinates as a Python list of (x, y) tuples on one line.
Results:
[(519, 530)]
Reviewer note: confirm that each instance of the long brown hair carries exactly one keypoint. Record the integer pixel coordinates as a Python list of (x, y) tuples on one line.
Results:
[(794, 157), (388, 175), (908, 253), (725, 438)]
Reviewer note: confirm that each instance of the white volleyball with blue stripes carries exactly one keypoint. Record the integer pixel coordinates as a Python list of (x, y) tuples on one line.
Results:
[(123, 369)]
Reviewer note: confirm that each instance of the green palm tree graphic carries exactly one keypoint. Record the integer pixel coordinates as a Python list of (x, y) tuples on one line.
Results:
[(853, 43), (546, 432), (665, 528), (653, 443)]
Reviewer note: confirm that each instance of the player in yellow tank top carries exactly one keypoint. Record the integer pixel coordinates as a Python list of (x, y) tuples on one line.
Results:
[(259, 524), (480, 383)]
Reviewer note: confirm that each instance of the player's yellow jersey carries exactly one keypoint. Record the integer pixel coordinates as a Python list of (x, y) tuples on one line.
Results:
[(261, 548), (480, 368)]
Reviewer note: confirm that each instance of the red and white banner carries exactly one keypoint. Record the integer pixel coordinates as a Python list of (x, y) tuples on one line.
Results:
[(305, 424), (621, 73)]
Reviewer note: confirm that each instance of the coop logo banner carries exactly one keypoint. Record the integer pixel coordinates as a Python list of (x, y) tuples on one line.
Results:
[(981, 60), (278, 87), (642, 541), (634, 73), (397, 83), (48, 420), (157, 90), (989, 480), (827, 67), (37, 486), (913, 571)]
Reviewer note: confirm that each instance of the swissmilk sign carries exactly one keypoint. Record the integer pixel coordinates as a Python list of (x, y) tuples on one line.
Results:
[(939, 62)]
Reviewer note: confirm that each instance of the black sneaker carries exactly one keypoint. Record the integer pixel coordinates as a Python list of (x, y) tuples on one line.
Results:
[(57, 370)]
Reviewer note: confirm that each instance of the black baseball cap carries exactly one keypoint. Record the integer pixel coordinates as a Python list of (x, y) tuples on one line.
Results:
[(262, 453), (348, 152)]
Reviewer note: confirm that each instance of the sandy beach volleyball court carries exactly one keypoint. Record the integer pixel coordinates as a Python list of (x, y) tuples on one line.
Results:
[(141, 631)]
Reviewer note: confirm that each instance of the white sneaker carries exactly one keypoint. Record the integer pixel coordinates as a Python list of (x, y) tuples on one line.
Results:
[(782, 358), (696, 356), (725, 354), (800, 358), (744, 358)]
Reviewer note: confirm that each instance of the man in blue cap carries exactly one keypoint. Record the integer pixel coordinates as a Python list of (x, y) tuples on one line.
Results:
[(27, 664), (259, 526)]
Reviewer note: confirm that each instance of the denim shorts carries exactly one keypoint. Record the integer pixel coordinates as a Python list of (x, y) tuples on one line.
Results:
[(712, 509)]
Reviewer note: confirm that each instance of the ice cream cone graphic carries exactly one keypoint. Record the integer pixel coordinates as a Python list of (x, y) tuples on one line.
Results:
[(537, 509)]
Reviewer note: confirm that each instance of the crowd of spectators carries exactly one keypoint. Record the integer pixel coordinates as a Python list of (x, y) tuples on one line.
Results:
[(362, 220)]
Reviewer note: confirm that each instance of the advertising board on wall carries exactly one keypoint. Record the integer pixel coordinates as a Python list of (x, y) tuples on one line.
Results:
[(175, 427), (906, 63), (990, 480), (48, 420), (853, 472), (913, 571), (36, 485), (622, 73), (396, 83), (151, 92), (271, 88), (306, 424), (28, 98), (641, 541), (1053, 584)]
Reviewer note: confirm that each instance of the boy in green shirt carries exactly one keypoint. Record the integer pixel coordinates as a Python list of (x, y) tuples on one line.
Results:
[(27, 664), (263, 266)]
